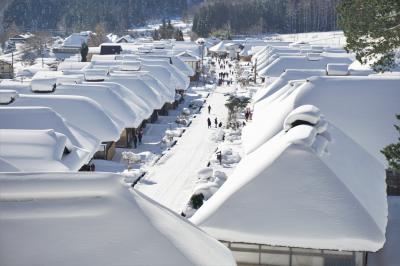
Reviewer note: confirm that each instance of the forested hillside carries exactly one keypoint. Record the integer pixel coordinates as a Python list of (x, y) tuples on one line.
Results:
[(72, 15), (261, 16)]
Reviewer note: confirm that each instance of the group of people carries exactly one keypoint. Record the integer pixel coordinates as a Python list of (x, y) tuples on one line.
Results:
[(137, 138), (248, 115), (209, 123)]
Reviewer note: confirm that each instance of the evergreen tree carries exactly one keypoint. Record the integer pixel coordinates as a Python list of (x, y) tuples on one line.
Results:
[(372, 28), (392, 152), (178, 36), (84, 52)]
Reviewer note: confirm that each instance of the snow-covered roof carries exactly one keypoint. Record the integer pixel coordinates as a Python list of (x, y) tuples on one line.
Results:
[(284, 78), (42, 118), (186, 56), (114, 101), (113, 104), (94, 219), (76, 40), (182, 80), (71, 65), (279, 65), (39, 150), (247, 51), (152, 96), (81, 112), (305, 187), (218, 48), (389, 255), (363, 107), (180, 64), (139, 90)]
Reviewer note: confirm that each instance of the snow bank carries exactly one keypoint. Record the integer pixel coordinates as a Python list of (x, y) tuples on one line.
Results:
[(93, 219)]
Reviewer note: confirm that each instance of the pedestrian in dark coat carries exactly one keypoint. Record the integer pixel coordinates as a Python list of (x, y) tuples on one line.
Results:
[(135, 139), (209, 122), (216, 122), (209, 108), (140, 135), (220, 124)]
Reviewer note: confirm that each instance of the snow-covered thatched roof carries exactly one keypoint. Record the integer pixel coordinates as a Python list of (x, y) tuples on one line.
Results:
[(218, 48), (279, 65), (79, 111), (43, 118), (364, 107), (389, 255), (94, 219), (38, 151), (305, 187)]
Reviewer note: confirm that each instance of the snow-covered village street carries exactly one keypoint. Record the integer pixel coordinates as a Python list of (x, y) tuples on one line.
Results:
[(174, 143), (171, 181)]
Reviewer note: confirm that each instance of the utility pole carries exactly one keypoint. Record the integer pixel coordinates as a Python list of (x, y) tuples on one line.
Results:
[(255, 72), (12, 63)]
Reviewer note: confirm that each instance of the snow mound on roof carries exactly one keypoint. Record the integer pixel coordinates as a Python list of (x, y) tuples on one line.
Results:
[(40, 150), (41, 118), (93, 219), (278, 66), (303, 188), (284, 78), (362, 107)]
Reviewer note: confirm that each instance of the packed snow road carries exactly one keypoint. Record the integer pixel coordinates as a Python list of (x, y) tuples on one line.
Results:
[(171, 181)]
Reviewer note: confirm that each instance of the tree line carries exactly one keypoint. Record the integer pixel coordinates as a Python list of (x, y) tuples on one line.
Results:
[(265, 16), (75, 15)]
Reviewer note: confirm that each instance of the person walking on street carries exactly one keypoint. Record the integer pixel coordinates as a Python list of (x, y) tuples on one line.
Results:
[(140, 135), (209, 109), (219, 157), (216, 122), (135, 139), (220, 124), (209, 122)]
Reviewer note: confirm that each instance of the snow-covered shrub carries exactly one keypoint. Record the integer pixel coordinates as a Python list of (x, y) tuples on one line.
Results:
[(186, 111), (218, 135), (132, 175), (130, 158), (205, 173), (206, 189), (196, 201), (182, 121)]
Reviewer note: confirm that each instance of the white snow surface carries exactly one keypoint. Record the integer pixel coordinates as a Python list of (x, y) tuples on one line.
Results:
[(94, 219), (306, 191)]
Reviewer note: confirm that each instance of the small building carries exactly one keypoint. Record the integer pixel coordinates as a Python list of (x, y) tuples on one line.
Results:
[(107, 48), (21, 38), (193, 61), (6, 70)]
